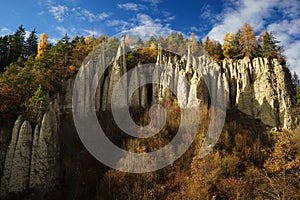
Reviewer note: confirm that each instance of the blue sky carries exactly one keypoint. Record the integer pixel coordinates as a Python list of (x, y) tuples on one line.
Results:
[(110, 17)]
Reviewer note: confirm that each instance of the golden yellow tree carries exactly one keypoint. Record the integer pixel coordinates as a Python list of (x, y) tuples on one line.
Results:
[(152, 46), (43, 42), (228, 46)]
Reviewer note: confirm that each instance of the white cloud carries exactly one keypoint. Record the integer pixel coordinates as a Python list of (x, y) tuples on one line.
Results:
[(258, 13), (120, 25), (91, 32), (146, 20), (145, 26), (194, 28), (58, 12), (61, 30), (131, 6), (292, 52), (5, 31), (53, 40), (208, 15), (287, 31), (85, 14), (102, 16), (290, 8), (253, 12), (152, 2)]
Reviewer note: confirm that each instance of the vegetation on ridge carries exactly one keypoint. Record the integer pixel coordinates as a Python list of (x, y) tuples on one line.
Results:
[(249, 161), (27, 64)]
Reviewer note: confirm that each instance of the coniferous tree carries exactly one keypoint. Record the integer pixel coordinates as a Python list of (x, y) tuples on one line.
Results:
[(18, 45), (4, 52), (31, 43), (213, 48), (138, 43), (247, 41), (270, 48)]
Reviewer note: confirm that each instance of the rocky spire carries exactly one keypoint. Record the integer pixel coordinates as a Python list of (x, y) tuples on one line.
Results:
[(182, 89), (19, 179), (7, 170), (188, 68), (192, 100), (159, 60)]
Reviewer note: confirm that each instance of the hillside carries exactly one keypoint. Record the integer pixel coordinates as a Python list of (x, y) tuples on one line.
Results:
[(232, 105)]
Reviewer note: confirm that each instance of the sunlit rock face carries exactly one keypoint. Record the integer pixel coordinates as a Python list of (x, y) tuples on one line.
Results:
[(259, 87)]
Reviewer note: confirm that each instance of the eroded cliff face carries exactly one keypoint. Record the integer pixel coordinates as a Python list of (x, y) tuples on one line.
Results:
[(31, 154), (32, 157), (259, 87)]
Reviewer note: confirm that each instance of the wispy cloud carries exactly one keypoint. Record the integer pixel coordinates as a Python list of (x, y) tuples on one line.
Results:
[(53, 40), (62, 30), (287, 31), (153, 2), (131, 6), (258, 13), (208, 15), (143, 26), (91, 32), (239, 12), (146, 20), (120, 24), (85, 14), (4, 31), (59, 12), (167, 17)]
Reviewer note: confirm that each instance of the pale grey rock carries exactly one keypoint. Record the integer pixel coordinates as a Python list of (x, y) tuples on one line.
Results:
[(104, 95), (35, 156), (5, 136), (8, 164), (156, 87), (143, 91), (188, 68), (260, 89), (45, 166), (19, 178), (66, 101), (135, 95), (192, 99), (182, 90)]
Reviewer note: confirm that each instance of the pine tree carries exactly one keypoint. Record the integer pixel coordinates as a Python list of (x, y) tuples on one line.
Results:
[(36, 104), (214, 49), (18, 46), (269, 48), (247, 41), (31, 43), (4, 52), (138, 43)]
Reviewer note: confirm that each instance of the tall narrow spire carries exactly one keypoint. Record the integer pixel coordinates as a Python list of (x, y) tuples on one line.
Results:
[(188, 68), (159, 55)]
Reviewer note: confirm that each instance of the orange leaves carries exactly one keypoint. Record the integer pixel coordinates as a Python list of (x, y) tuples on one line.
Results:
[(72, 69)]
